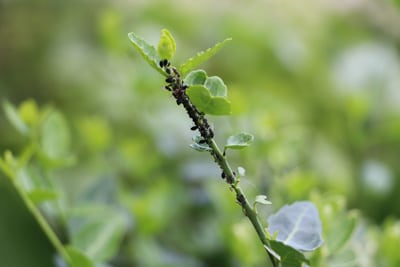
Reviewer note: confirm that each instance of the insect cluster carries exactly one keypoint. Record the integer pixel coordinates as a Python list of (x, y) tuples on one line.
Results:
[(176, 85)]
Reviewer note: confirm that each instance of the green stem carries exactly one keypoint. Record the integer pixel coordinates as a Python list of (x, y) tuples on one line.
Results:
[(41, 220), (250, 213), (178, 89)]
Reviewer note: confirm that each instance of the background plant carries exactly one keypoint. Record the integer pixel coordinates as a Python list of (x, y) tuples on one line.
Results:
[(314, 84)]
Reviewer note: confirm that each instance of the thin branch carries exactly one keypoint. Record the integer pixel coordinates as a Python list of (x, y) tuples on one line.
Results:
[(177, 87)]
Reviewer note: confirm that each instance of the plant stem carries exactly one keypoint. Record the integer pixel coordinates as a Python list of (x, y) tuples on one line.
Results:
[(178, 89), (39, 217), (250, 213)]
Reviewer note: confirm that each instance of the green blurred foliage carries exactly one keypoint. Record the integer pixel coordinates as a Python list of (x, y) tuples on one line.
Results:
[(316, 83)]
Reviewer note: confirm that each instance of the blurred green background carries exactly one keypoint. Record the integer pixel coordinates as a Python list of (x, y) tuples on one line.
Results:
[(316, 82)]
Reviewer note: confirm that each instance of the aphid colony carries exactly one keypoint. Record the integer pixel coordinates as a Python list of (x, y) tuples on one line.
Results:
[(176, 85)]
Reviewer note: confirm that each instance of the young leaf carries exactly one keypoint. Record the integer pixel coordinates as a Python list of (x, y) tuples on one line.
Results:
[(197, 145), (241, 171), (239, 141), (55, 137), (14, 118), (288, 256), (298, 225), (205, 102), (216, 86), (200, 147), (29, 112), (201, 57), (262, 199), (196, 77), (148, 52), (166, 47)]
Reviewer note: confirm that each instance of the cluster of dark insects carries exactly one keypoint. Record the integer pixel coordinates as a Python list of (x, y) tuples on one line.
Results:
[(178, 88), (176, 85)]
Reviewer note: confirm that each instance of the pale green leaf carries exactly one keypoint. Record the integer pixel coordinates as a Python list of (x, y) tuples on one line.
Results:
[(196, 77), (166, 46), (239, 141), (340, 231), (197, 145), (97, 231), (201, 57), (148, 52), (241, 171), (55, 137), (262, 199), (202, 99), (216, 86), (14, 118), (298, 225)]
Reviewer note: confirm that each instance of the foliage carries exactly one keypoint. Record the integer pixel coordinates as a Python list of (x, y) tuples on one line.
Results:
[(296, 231), (316, 89)]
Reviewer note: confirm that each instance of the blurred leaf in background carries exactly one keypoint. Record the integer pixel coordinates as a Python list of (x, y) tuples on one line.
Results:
[(316, 83)]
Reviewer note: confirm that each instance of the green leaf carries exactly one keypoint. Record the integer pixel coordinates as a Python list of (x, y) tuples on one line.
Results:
[(262, 199), (205, 102), (201, 57), (55, 137), (196, 77), (148, 52), (239, 141), (78, 258), (340, 232), (166, 47), (97, 231), (298, 225), (241, 171), (29, 112), (14, 118), (39, 195), (199, 146), (288, 256), (216, 86)]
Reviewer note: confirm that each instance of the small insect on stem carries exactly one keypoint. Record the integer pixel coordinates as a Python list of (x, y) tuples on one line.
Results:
[(223, 175), (194, 128), (169, 79)]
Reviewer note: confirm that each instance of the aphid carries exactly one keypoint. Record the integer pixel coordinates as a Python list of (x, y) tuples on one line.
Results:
[(169, 79), (194, 128), (211, 133), (202, 141), (167, 87), (223, 175), (168, 71)]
